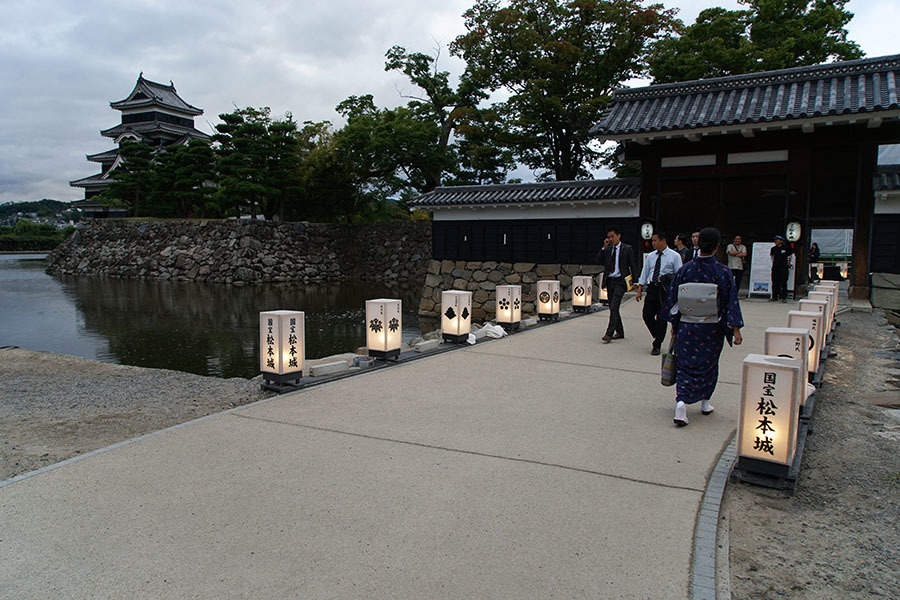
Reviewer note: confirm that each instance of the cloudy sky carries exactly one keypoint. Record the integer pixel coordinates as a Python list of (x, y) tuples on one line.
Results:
[(63, 62)]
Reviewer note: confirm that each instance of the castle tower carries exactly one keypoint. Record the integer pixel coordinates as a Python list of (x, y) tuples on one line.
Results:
[(153, 113)]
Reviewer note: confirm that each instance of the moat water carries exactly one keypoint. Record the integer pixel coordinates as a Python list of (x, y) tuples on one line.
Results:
[(207, 329)]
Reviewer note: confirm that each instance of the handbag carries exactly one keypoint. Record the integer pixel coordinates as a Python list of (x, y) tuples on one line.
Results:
[(667, 370)]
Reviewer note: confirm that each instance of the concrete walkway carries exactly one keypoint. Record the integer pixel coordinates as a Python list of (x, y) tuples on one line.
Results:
[(545, 465)]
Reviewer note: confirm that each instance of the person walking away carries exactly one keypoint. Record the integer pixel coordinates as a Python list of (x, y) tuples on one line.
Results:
[(700, 334), (682, 248), (814, 256), (618, 263), (737, 255), (656, 275), (780, 255)]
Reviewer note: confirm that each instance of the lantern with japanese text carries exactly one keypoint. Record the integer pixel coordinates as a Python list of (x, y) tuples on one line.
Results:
[(282, 345), (509, 306), (820, 306), (456, 315), (788, 342), (602, 295), (384, 328), (582, 293), (828, 297), (812, 321), (548, 299), (819, 287), (771, 389)]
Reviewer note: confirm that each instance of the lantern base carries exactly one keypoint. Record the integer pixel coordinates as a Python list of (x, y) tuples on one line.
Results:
[(385, 354), (287, 378), (511, 326), (456, 339), (544, 317), (581, 309)]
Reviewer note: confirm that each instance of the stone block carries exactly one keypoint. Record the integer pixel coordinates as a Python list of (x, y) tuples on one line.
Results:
[(522, 267), (495, 276), (460, 284), (427, 345), (530, 322), (461, 273), (478, 314), (488, 265), (473, 285), (460, 264), (547, 271), (488, 285), (426, 304), (564, 280), (591, 269), (481, 296), (434, 267), (447, 266), (479, 275), (513, 278), (330, 368), (529, 277), (473, 265), (886, 280), (433, 280), (886, 298)]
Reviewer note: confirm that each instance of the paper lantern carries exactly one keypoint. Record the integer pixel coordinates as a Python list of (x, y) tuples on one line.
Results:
[(829, 297), (548, 299), (834, 288), (456, 315), (845, 269), (788, 342), (384, 327), (792, 231), (646, 230), (509, 306), (582, 293), (812, 321), (771, 388), (821, 306), (602, 295), (282, 345)]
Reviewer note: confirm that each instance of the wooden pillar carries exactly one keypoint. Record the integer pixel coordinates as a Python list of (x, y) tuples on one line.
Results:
[(862, 228)]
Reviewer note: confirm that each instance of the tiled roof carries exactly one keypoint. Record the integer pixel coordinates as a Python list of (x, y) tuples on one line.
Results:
[(149, 93), (887, 178), (527, 193), (104, 156), (148, 127), (787, 95), (90, 181)]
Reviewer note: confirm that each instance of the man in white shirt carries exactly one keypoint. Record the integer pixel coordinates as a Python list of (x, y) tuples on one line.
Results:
[(737, 254), (659, 270)]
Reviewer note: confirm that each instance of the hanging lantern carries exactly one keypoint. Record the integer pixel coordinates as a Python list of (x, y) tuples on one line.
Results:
[(509, 306), (813, 322), (282, 346), (787, 342), (647, 230), (384, 328), (771, 389), (792, 231), (582, 293), (829, 297), (548, 299), (456, 316)]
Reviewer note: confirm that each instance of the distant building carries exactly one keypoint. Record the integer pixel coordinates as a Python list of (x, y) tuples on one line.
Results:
[(153, 113)]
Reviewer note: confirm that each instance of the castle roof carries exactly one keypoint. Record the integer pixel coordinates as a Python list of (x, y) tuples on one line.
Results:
[(529, 193), (148, 93)]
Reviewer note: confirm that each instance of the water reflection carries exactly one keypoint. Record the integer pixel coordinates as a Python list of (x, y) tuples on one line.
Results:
[(199, 328)]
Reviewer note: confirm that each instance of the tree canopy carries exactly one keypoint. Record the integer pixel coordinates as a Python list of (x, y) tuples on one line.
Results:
[(558, 61), (767, 35)]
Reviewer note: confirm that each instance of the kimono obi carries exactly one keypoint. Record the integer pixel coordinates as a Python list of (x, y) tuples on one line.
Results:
[(698, 302)]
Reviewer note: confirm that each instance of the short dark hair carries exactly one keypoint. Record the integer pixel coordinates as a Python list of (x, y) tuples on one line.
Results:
[(614, 229), (661, 235), (709, 239), (683, 237)]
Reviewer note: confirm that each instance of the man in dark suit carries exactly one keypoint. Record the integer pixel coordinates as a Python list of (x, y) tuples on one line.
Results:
[(618, 262)]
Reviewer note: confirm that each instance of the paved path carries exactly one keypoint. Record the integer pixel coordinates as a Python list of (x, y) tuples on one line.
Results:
[(545, 465)]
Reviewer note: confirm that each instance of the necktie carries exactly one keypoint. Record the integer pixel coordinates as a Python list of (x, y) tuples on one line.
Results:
[(615, 260), (658, 265)]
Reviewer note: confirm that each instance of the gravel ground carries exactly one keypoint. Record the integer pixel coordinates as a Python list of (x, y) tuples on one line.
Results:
[(54, 407), (838, 536)]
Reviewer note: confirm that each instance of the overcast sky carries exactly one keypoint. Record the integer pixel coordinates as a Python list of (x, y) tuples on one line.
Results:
[(63, 62)]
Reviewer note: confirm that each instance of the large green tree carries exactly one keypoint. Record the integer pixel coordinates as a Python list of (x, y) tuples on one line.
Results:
[(258, 159), (183, 183), (558, 61), (131, 183), (769, 34)]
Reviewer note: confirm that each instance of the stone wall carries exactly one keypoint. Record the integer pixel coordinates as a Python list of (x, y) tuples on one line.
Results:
[(482, 278), (240, 252)]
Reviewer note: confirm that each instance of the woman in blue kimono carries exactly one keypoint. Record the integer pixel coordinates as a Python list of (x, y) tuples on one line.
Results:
[(698, 345)]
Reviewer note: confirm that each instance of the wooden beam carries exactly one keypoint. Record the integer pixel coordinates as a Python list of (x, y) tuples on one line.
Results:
[(874, 123)]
